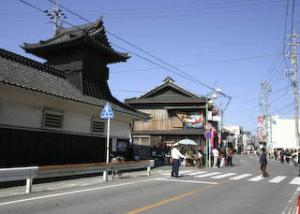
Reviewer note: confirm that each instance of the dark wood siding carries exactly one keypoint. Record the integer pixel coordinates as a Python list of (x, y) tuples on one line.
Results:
[(25, 147)]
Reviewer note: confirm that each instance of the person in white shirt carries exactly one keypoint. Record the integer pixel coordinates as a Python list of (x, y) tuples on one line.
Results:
[(216, 156), (175, 155)]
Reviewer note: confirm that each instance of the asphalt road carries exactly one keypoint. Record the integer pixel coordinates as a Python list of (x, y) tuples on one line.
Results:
[(229, 190)]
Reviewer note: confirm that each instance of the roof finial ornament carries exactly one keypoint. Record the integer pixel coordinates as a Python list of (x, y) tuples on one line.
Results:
[(169, 79)]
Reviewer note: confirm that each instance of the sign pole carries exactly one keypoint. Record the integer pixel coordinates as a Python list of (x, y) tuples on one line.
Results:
[(209, 153), (107, 113), (105, 173), (107, 140)]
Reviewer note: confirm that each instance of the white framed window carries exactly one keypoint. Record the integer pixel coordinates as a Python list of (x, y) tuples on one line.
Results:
[(52, 119), (97, 126)]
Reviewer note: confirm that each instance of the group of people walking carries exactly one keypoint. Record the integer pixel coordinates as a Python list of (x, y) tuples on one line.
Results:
[(220, 158), (223, 157)]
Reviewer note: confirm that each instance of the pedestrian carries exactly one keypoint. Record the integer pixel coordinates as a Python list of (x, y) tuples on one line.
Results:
[(287, 156), (222, 158), (175, 155), (229, 156), (281, 154), (299, 160), (199, 159), (215, 152), (275, 154), (263, 162)]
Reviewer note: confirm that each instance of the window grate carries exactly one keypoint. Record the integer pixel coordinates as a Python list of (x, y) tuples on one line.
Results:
[(53, 120), (98, 126)]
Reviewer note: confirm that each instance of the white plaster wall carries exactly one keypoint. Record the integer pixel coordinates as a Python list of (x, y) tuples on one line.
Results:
[(77, 122), (24, 108), (16, 113), (283, 133)]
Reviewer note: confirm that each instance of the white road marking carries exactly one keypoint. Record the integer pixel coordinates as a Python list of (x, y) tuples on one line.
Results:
[(239, 177), (197, 173), (296, 181), (72, 192), (223, 176), (186, 181), (277, 179), (207, 175), (257, 178), (186, 171), (292, 202), (180, 172)]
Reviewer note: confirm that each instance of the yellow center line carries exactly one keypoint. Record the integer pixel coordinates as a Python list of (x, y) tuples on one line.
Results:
[(160, 203)]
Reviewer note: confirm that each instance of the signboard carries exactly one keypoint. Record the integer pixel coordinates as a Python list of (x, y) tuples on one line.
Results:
[(207, 135), (208, 126), (192, 120), (107, 112)]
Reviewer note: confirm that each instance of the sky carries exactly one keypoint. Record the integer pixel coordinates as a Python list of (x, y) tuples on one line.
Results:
[(232, 45)]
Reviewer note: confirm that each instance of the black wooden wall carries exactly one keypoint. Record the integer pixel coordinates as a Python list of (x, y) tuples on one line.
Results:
[(25, 147)]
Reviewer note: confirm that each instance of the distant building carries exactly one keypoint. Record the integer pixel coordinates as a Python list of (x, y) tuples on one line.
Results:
[(176, 114), (237, 140), (49, 113), (283, 133)]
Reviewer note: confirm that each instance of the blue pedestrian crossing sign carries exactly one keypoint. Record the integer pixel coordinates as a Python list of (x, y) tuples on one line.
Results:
[(107, 112)]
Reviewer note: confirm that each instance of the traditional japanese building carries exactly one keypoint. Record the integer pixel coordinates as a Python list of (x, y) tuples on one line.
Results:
[(176, 114), (49, 112)]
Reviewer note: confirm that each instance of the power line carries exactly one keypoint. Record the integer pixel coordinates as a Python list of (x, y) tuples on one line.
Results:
[(210, 62), (277, 71), (191, 78), (208, 5), (137, 55), (33, 6), (171, 12), (282, 108)]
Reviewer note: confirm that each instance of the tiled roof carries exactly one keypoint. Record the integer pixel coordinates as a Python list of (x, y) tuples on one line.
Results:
[(92, 33), (153, 97), (155, 100), (170, 132), (22, 72)]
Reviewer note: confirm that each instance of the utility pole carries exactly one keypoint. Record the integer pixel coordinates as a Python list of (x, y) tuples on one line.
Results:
[(266, 89), (295, 82), (56, 15)]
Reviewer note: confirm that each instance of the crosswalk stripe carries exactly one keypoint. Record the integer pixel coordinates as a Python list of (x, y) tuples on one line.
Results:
[(257, 178), (207, 175), (224, 175), (197, 173), (186, 171), (277, 179), (180, 172), (296, 181), (239, 177)]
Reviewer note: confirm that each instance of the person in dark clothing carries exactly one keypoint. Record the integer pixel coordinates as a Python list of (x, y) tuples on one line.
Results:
[(299, 160), (275, 154), (281, 156), (263, 162), (229, 156)]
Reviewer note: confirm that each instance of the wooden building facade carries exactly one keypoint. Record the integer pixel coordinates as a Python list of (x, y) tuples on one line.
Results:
[(176, 114)]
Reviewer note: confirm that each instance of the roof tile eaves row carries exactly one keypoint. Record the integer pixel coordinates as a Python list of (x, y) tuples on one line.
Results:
[(85, 100)]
